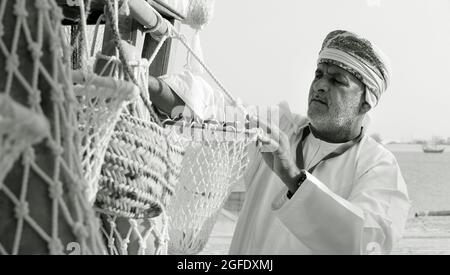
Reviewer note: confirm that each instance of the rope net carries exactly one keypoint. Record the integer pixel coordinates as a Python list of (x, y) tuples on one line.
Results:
[(212, 165), (142, 161), (43, 207), (98, 112), (215, 160), (140, 171), (66, 147), (20, 128)]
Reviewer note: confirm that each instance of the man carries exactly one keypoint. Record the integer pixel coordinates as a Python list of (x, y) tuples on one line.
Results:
[(326, 188)]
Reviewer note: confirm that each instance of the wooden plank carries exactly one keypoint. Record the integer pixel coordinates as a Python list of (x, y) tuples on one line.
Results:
[(72, 13), (168, 11), (161, 63)]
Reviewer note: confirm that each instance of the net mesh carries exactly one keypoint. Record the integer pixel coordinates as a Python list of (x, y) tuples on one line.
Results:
[(43, 204), (20, 128), (210, 168), (139, 175), (53, 163), (99, 110), (212, 165), (142, 161)]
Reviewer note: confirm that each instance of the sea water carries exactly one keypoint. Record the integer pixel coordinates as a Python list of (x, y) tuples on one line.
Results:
[(427, 176)]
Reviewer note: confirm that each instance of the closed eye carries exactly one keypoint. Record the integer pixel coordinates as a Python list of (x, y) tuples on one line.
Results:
[(341, 81), (318, 74)]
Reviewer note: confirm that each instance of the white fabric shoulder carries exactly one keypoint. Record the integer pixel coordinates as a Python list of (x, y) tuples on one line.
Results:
[(372, 154)]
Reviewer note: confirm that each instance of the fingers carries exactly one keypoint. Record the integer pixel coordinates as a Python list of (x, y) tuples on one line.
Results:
[(267, 144), (256, 122)]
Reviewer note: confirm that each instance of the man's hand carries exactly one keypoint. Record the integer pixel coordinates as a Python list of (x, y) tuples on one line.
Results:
[(276, 151)]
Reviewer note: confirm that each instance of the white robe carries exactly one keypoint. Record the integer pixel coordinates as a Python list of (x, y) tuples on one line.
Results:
[(356, 203)]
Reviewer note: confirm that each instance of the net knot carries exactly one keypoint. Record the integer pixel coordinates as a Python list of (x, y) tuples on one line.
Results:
[(28, 156), (124, 247), (22, 210), (19, 9), (80, 231), (55, 246), (111, 244), (56, 190), (34, 99), (112, 224), (36, 51), (124, 244), (57, 149), (134, 224), (142, 246), (12, 63), (42, 5)]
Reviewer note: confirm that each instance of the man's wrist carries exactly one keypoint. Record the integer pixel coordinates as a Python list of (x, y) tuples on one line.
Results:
[(292, 176)]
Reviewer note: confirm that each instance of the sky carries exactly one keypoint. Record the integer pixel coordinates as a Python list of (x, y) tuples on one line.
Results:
[(266, 51)]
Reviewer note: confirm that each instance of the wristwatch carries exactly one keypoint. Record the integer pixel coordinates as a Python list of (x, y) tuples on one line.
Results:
[(302, 178)]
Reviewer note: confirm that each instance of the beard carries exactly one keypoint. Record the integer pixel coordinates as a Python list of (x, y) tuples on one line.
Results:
[(334, 119)]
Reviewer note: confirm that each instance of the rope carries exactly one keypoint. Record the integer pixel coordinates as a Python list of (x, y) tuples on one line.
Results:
[(111, 14), (211, 166), (141, 165), (234, 100), (97, 26), (55, 168), (173, 33), (85, 10)]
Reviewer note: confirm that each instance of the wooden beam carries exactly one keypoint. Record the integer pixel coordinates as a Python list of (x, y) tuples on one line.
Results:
[(72, 13)]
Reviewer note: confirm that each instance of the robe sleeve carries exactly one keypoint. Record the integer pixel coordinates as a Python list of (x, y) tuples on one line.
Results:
[(370, 221), (255, 161)]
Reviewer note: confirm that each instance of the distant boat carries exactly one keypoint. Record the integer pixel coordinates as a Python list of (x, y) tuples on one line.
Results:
[(432, 149)]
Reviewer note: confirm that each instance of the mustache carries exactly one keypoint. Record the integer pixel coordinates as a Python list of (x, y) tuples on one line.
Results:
[(319, 99)]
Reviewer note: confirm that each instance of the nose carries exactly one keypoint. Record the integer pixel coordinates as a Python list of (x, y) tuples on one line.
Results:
[(321, 85)]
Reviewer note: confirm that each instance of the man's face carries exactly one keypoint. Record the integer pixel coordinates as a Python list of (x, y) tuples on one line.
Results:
[(335, 98)]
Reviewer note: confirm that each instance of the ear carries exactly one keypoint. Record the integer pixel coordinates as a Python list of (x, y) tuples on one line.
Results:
[(365, 107)]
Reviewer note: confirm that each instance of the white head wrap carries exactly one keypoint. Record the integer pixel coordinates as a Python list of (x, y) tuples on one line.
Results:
[(361, 58)]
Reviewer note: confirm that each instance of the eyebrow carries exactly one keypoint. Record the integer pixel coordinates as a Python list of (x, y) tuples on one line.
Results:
[(336, 73), (339, 74)]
